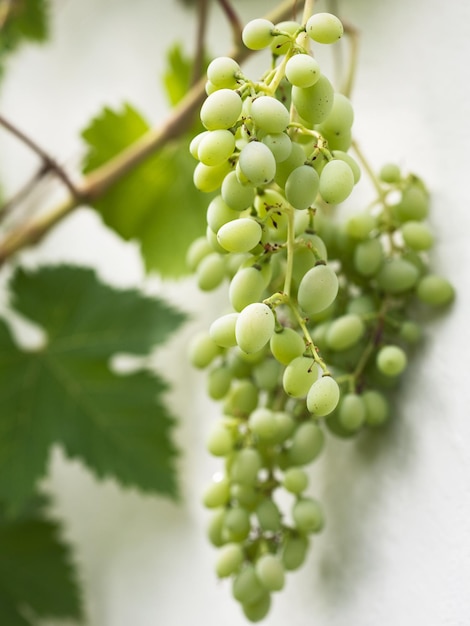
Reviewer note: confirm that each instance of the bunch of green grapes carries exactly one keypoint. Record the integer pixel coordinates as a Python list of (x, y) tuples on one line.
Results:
[(319, 325)]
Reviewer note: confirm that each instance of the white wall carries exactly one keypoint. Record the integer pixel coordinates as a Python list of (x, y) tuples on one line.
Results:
[(396, 549)]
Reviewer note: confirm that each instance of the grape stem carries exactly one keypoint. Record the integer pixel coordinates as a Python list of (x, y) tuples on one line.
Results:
[(100, 180)]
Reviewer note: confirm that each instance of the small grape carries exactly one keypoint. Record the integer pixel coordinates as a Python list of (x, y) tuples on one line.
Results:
[(202, 350), (240, 235), (236, 195), (208, 178), (294, 551), (390, 173), (262, 423), (197, 250), (229, 560), (391, 360), (368, 257), (417, 235), (307, 443), (324, 28), (215, 528), (435, 290), (280, 145), (284, 168), (283, 42), (216, 147), (256, 611), (302, 187), (219, 380), (247, 587), (257, 163), (302, 70), (237, 523), (352, 411), (397, 275), (258, 34), (344, 332), (246, 466), (270, 572), (344, 156), (210, 272), (360, 225), (222, 72), (254, 327), (414, 204), (314, 103), (269, 114), (299, 376), (269, 516), (295, 480), (377, 409), (336, 181), (246, 287), (323, 396), (221, 109), (308, 515), (242, 398), (219, 213), (286, 345), (318, 289), (217, 493), (220, 440)]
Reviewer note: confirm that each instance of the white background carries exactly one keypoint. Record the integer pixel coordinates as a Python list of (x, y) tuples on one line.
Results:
[(396, 548)]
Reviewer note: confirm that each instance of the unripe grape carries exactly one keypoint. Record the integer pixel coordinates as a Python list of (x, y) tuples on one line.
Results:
[(352, 411), (208, 178), (285, 425), (282, 43), (266, 374), (215, 528), (417, 235), (246, 287), (247, 587), (202, 350), (391, 360), (414, 204), (237, 196), (280, 145), (197, 250), (219, 380), (246, 496), (308, 515), (360, 225), (257, 34), (314, 103), (317, 289), (368, 257), (336, 181), (219, 213), (257, 163), (270, 572), (302, 187), (254, 327), (229, 560), (269, 516), (216, 147), (435, 290), (237, 523), (220, 440), (295, 480), (242, 398), (217, 493), (299, 376), (262, 423), (344, 332), (240, 235), (324, 28), (302, 70), (269, 114), (222, 72), (210, 272), (397, 275), (222, 330), (295, 159), (377, 409), (246, 466), (294, 551), (323, 396), (195, 142), (286, 345), (307, 443), (341, 117), (410, 331), (256, 611), (221, 109), (390, 173)]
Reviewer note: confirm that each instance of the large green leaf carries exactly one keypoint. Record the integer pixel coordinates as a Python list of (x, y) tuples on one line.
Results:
[(67, 393), (37, 578), (155, 204)]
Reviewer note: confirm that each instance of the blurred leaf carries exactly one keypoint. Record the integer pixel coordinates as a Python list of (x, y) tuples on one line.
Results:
[(155, 204), (66, 393), (37, 578), (177, 76)]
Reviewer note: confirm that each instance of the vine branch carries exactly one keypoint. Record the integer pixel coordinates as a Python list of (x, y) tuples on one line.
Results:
[(97, 182)]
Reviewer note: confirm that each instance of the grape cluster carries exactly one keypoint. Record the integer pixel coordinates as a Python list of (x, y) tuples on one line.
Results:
[(319, 326)]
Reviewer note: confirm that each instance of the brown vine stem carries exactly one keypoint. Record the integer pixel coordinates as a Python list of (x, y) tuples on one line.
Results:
[(198, 65), (233, 20), (96, 183)]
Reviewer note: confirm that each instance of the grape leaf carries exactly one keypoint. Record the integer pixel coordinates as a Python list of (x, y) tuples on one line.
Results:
[(37, 578), (66, 392), (177, 76), (155, 204)]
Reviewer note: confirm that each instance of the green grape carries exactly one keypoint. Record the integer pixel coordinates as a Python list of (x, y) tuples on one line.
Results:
[(221, 109), (377, 409), (219, 213), (435, 290), (307, 515), (258, 34), (212, 239), (286, 345), (360, 225), (219, 380), (246, 496), (302, 187), (216, 147), (208, 178), (246, 287), (323, 396), (237, 523), (236, 195), (210, 272), (220, 440), (307, 443), (222, 72), (268, 515), (299, 376), (391, 360), (215, 528), (410, 331), (270, 572), (282, 43), (285, 425), (240, 235), (317, 289), (202, 350), (295, 480), (262, 423), (294, 551), (195, 141), (254, 327), (314, 103), (361, 305), (397, 275), (269, 114), (242, 398), (345, 331), (217, 494), (257, 163), (246, 466), (247, 587), (347, 158), (336, 181), (295, 159), (266, 375), (368, 257), (280, 145), (338, 140), (222, 330), (197, 250), (229, 560), (324, 28), (414, 204), (352, 411), (390, 173), (302, 70), (341, 117), (256, 611), (417, 235)]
